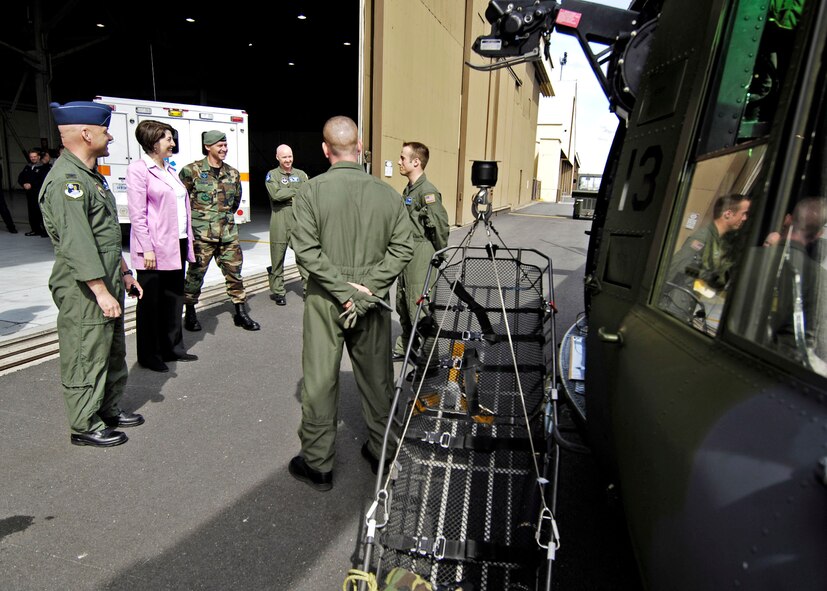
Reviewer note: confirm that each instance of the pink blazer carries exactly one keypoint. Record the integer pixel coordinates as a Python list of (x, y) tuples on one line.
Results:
[(154, 217)]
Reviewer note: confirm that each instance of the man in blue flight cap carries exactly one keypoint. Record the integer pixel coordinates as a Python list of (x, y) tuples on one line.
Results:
[(89, 277)]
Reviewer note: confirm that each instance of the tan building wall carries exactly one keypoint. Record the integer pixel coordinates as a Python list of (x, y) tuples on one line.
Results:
[(556, 138), (421, 90)]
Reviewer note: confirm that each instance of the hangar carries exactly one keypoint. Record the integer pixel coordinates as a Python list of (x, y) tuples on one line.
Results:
[(396, 66)]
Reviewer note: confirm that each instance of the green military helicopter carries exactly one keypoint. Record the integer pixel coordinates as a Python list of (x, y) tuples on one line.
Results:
[(706, 338)]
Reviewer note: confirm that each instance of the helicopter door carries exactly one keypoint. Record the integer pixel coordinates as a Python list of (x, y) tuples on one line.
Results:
[(643, 170)]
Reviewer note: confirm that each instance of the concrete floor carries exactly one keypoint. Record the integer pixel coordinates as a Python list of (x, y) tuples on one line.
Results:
[(200, 497)]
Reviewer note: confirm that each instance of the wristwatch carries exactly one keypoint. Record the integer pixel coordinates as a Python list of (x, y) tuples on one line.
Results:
[(127, 272)]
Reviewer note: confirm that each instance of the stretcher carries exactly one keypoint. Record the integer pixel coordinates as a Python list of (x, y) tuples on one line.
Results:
[(468, 497)]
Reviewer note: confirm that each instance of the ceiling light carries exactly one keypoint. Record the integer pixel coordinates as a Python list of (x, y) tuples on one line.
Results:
[(291, 64), (100, 25), (347, 43), (189, 19), (302, 17)]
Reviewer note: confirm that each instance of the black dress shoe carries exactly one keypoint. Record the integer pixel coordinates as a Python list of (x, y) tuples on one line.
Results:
[(184, 357), (279, 299), (124, 420), (32, 234), (106, 438), (321, 481), (12, 230), (374, 461), (158, 366)]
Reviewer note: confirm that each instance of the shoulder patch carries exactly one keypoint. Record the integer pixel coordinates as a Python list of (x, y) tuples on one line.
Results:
[(267, 178), (696, 245), (430, 198), (73, 190)]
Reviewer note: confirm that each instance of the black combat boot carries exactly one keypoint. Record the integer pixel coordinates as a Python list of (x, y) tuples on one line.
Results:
[(243, 320), (190, 319)]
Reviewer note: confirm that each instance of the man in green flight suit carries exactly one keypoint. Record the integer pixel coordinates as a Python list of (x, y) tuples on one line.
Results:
[(88, 278), (353, 237), (430, 222), (704, 257), (283, 185), (214, 188)]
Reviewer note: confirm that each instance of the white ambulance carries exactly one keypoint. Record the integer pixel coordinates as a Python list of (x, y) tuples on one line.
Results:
[(189, 122)]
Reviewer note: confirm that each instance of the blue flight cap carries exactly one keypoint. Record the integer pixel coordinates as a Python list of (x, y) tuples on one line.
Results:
[(81, 113)]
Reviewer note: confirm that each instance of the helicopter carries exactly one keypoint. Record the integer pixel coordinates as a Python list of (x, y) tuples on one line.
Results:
[(706, 335)]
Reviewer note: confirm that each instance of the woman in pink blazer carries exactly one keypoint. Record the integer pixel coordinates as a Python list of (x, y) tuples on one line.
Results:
[(160, 242)]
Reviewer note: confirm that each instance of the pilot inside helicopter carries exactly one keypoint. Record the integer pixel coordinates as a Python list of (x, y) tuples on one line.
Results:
[(700, 268)]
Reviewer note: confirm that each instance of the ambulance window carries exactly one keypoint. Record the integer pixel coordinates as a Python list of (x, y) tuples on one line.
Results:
[(755, 61), (781, 302)]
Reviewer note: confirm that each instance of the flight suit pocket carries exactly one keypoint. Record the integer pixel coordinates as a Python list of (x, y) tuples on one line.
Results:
[(90, 352)]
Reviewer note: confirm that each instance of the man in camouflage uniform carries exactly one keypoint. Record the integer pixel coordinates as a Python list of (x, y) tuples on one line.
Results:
[(430, 221), (89, 277), (353, 236), (283, 185), (214, 188), (704, 256)]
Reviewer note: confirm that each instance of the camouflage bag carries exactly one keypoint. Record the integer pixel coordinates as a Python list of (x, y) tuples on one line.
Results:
[(400, 579)]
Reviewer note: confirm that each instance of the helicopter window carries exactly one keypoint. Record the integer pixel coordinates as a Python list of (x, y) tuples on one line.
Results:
[(781, 303), (717, 207), (755, 61)]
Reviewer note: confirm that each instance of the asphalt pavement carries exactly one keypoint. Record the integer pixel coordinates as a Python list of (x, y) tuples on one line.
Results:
[(200, 497)]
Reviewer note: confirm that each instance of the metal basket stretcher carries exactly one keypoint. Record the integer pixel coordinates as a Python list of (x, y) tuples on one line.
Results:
[(468, 499)]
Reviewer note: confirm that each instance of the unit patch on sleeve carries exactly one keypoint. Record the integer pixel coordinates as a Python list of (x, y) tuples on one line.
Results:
[(73, 190)]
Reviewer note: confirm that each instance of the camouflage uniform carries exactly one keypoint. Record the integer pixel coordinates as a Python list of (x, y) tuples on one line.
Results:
[(213, 201), (282, 187), (80, 216), (430, 233)]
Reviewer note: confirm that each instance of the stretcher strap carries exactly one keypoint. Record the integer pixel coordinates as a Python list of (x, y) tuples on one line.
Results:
[(458, 363), (489, 337), (470, 363), (440, 548), (480, 443), (458, 307), (476, 308)]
